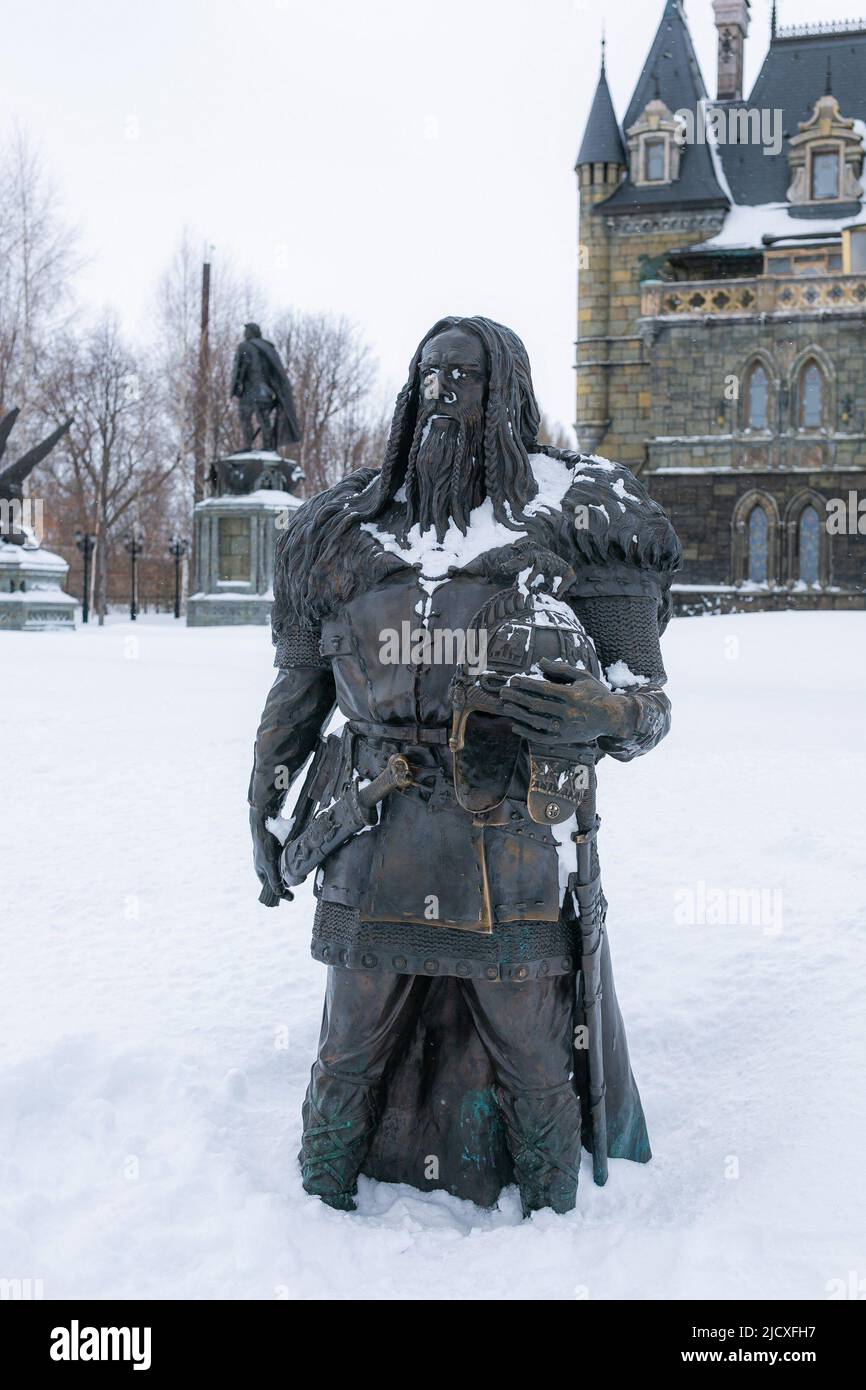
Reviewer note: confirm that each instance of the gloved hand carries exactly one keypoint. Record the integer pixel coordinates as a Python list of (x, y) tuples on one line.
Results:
[(266, 855), (570, 709)]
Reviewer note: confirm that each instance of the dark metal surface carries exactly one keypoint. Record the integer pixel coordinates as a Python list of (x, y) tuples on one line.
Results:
[(266, 406), (14, 475), (453, 983)]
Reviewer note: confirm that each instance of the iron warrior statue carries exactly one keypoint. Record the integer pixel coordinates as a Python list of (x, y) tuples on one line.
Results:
[(481, 616), (263, 391)]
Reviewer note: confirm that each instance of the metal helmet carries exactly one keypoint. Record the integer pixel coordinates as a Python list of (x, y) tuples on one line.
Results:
[(516, 629)]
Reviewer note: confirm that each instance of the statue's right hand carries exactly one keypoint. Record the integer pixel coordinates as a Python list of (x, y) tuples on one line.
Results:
[(266, 855)]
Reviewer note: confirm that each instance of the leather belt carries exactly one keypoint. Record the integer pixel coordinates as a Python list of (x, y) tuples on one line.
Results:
[(412, 734)]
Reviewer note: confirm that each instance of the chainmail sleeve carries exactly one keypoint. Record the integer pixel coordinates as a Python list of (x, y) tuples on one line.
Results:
[(298, 646), (625, 631)]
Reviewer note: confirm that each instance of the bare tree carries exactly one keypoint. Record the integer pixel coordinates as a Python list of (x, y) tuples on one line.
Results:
[(113, 468), (552, 432), (37, 262), (331, 368), (233, 301), (332, 372)]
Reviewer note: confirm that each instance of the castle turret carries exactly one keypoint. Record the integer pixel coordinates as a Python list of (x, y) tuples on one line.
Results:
[(601, 164)]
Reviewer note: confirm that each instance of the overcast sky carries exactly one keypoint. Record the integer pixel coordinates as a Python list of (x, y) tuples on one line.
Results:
[(387, 159)]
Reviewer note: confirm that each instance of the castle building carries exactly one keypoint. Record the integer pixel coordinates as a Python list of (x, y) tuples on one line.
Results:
[(721, 349)]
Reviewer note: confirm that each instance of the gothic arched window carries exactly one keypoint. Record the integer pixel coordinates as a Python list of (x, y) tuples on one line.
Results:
[(758, 569), (808, 545), (757, 398), (810, 397)]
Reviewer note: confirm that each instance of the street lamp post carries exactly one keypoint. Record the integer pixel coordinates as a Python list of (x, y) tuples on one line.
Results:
[(133, 545), (86, 544), (177, 547)]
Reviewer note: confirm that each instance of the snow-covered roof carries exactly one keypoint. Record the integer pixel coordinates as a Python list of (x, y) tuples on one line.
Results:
[(799, 67), (749, 226)]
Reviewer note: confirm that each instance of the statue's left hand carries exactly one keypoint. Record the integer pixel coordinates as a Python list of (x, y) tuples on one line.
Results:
[(571, 708)]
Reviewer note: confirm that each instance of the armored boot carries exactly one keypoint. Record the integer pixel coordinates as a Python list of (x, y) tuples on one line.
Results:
[(335, 1143), (543, 1134)]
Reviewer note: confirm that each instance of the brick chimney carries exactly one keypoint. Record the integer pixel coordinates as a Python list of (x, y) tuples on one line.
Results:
[(732, 22)]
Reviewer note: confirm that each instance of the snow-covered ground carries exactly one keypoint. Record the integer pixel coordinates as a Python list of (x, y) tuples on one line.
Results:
[(158, 1024)]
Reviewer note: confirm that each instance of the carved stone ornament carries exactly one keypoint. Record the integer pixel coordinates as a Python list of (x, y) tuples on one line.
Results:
[(826, 132), (655, 123)]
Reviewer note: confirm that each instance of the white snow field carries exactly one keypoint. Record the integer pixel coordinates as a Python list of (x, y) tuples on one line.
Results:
[(158, 1024)]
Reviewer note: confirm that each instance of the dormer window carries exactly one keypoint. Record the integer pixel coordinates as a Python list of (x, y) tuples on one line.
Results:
[(825, 174), (826, 158), (654, 146), (654, 161)]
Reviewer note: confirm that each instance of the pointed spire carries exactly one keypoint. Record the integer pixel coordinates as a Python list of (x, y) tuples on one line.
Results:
[(672, 63), (602, 141), (773, 21)]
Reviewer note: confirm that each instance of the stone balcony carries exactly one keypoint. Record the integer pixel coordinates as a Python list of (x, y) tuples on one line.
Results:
[(781, 295)]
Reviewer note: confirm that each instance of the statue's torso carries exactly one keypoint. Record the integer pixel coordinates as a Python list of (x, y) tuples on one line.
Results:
[(428, 860), (394, 649)]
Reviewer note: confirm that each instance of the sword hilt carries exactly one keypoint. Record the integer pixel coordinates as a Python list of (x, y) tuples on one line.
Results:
[(396, 776)]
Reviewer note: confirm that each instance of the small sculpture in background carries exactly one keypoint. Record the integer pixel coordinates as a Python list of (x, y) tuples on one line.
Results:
[(263, 393)]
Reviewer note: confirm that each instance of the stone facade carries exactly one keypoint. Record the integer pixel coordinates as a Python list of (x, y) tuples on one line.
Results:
[(615, 380), (722, 356)]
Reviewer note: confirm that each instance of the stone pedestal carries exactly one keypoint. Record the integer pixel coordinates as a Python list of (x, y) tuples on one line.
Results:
[(235, 535), (31, 589)]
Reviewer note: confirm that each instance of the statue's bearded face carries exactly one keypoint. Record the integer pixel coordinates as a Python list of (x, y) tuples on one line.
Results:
[(447, 479)]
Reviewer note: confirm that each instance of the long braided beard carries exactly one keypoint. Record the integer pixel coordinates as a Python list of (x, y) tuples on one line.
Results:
[(445, 476)]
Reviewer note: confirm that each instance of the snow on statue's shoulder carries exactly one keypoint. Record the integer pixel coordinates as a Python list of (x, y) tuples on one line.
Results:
[(610, 482), (553, 478)]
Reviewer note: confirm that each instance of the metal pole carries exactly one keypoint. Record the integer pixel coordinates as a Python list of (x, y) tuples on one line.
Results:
[(133, 545), (177, 548), (199, 447), (85, 597), (86, 544)]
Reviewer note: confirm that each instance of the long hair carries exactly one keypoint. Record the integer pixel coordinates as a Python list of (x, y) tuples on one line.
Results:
[(511, 420), (309, 560)]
